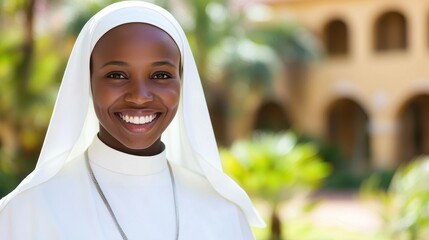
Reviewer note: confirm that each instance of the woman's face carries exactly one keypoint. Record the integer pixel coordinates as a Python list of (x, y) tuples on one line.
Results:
[(135, 81)]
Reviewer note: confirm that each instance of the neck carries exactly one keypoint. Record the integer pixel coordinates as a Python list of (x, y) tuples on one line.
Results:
[(152, 150)]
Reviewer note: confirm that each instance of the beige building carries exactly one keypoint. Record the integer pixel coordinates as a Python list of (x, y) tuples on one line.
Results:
[(369, 94)]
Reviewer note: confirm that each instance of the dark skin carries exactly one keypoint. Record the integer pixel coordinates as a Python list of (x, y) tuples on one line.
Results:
[(135, 82)]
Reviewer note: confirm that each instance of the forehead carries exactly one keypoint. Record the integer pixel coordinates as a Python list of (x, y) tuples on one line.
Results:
[(130, 36)]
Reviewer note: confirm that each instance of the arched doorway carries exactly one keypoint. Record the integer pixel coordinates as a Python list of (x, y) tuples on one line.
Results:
[(271, 117), (336, 38), (348, 130), (390, 32), (414, 128)]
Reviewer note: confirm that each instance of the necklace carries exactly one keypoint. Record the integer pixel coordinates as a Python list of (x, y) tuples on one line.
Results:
[(112, 214)]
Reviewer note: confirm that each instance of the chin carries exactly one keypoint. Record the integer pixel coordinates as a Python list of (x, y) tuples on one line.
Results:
[(139, 144)]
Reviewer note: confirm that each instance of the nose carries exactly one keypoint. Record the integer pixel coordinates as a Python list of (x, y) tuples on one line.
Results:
[(139, 93)]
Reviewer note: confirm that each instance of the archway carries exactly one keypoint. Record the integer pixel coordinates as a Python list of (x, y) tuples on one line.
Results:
[(414, 128), (348, 130), (336, 38), (390, 32), (271, 117)]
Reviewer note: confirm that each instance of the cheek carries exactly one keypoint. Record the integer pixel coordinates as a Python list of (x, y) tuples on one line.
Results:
[(99, 106), (103, 98), (97, 97), (173, 97)]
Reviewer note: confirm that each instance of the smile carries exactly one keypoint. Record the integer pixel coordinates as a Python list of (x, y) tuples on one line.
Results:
[(138, 119)]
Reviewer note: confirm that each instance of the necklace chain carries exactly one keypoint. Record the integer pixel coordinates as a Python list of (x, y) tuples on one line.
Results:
[(109, 208)]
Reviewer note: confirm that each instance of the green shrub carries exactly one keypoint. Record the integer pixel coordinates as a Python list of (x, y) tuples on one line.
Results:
[(275, 167), (404, 207)]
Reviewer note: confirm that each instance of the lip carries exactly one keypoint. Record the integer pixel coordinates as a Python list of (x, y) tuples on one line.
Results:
[(137, 128)]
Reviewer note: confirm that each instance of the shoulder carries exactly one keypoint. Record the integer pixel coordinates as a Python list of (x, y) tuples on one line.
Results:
[(46, 195), (25, 216), (197, 189), (196, 185), (206, 210), (37, 212)]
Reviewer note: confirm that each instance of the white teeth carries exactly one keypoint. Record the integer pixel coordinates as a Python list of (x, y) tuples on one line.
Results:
[(138, 119)]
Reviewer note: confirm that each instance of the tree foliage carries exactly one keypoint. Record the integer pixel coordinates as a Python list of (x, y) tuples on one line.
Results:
[(31, 65), (275, 167), (404, 207)]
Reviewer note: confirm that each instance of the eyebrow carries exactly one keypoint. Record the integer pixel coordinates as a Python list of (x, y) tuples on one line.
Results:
[(117, 63), (155, 64), (162, 63)]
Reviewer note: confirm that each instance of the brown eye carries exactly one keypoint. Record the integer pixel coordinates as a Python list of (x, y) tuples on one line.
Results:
[(161, 75), (116, 75)]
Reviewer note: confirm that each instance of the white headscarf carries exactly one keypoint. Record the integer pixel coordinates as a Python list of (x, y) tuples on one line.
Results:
[(189, 138)]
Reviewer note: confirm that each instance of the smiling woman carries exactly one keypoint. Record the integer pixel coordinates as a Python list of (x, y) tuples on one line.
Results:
[(135, 84), (130, 151)]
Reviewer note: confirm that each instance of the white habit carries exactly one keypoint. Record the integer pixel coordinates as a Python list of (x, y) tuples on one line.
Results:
[(140, 193), (58, 199)]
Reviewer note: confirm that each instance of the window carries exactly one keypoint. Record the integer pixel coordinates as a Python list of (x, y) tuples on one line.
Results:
[(336, 38), (390, 32)]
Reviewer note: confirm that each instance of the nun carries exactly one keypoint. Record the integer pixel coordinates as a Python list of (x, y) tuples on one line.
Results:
[(130, 151)]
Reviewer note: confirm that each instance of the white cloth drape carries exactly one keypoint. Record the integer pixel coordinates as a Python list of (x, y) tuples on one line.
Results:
[(140, 192), (189, 139)]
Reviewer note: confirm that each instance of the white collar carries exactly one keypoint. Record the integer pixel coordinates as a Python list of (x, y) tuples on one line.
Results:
[(119, 162)]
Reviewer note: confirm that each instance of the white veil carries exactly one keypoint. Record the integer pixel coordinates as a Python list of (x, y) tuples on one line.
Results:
[(189, 138)]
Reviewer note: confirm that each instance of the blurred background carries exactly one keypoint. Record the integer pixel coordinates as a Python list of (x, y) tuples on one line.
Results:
[(319, 106)]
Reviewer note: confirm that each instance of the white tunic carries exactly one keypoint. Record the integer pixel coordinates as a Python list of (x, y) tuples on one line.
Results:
[(140, 193)]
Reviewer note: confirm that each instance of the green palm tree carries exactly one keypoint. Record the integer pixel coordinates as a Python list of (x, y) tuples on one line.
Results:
[(275, 167), (294, 46)]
